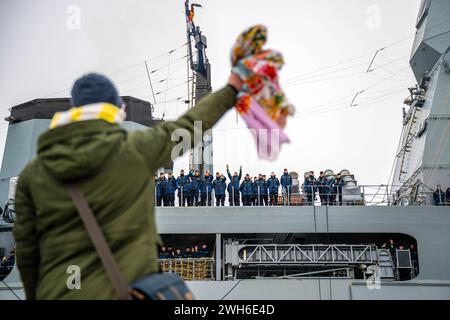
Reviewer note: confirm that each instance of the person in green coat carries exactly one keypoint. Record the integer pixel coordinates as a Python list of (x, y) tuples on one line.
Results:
[(114, 169)]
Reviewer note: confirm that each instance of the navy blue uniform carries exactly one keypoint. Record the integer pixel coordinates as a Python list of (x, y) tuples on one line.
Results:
[(171, 187), (206, 190), (286, 186), (196, 187), (310, 188), (220, 185), (273, 185), (246, 189), (255, 198), (337, 190), (321, 189), (439, 197), (160, 185), (181, 182), (329, 185), (188, 192), (233, 188), (261, 192)]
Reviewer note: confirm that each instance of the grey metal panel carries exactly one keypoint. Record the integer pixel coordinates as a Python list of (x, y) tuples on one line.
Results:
[(432, 38), (11, 287), (423, 60), (438, 25), (315, 289), (218, 257), (21, 145), (403, 291), (234, 220), (11, 293), (303, 289), (257, 290)]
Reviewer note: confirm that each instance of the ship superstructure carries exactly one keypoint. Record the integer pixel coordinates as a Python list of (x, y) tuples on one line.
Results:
[(423, 158)]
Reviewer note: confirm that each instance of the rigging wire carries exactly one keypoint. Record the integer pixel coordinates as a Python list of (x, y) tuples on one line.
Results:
[(390, 61), (371, 52), (10, 289), (143, 75), (392, 79), (336, 108), (341, 106), (150, 83), (326, 105), (301, 81), (167, 86), (300, 77), (126, 68), (325, 73), (391, 174)]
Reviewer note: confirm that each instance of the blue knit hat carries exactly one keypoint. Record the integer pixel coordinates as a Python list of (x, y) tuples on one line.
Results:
[(94, 88)]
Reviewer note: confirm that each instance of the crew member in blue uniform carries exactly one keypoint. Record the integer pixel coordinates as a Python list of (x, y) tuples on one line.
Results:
[(246, 189), (260, 188), (265, 193), (181, 182), (329, 185), (286, 185), (439, 196), (274, 185), (233, 187), (310, 188), (255, 198), (196, 187), (220, 185), (160, 186), (338, 188), (321, 189), (171, 187), (206, 189), (189, 192)]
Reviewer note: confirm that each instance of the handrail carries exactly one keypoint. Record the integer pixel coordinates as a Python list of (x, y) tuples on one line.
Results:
[(320, 195)]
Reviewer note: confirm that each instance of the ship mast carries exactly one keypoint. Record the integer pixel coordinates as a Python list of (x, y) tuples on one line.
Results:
[(198, 64)]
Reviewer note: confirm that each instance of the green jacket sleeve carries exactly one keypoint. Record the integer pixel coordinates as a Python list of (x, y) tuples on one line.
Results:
[(156, 144), (25, 235)]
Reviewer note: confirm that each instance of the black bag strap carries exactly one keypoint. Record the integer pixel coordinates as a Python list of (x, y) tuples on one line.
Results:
[(99, 241)]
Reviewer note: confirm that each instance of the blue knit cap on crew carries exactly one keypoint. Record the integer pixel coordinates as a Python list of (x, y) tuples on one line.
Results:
[(94, 88)]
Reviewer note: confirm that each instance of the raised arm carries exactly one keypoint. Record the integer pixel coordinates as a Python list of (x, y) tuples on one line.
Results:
[(156, 144), (229, 173)]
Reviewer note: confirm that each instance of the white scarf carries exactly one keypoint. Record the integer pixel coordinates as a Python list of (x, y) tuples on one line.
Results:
[(97, 111)]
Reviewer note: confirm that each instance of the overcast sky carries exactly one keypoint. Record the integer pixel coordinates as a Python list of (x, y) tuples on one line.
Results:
[(43, 49)]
